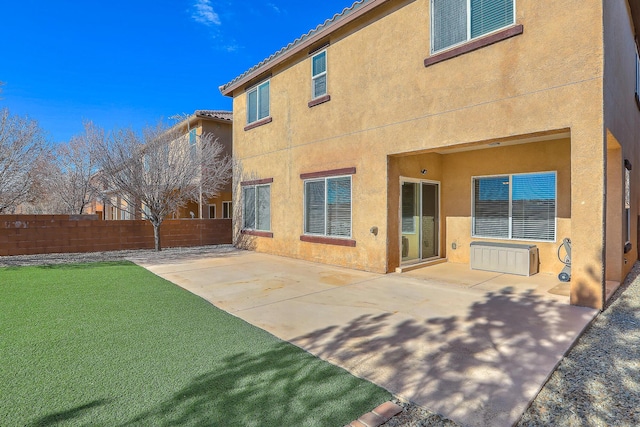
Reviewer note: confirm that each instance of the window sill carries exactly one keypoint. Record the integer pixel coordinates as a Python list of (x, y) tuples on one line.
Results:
[(258, 123), (320, 100), (474, 45), (257, 233), (328, 240)]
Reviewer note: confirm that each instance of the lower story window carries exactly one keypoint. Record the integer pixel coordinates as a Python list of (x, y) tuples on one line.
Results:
[(327, 206), (212, 211), (257, 207), (519, 206)]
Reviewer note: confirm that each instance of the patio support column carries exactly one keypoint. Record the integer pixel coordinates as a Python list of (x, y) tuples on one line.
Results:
[(588, 199)]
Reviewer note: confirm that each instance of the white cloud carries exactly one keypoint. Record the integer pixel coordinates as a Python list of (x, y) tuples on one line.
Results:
[(203, 13), (275, 8)]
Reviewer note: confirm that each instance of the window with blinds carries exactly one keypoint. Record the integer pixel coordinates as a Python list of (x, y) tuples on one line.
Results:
[(256, 207), (521, 207), (319, 74), (258, 102), (327, 207), (456, 21)]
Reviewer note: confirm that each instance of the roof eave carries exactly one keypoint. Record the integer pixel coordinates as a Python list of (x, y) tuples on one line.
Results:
[(227, 90)]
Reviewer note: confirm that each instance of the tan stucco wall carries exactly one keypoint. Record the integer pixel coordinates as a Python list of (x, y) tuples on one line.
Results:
[(385, 102), (622, 124), (455, 172)]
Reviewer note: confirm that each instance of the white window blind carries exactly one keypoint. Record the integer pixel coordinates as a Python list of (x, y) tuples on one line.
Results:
[(448, 22), (490, 15), (457, 21), (328, 207), (533, 206), (339, 207), (319, 74), (491, 207), (314, 207), (515, 207)]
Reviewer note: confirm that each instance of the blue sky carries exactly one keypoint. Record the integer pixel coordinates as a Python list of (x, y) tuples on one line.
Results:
[(132, 63)]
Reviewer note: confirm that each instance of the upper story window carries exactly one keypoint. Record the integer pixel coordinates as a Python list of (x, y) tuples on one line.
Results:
[(519, 206), (319, 74), (258, 102), (457, 21)]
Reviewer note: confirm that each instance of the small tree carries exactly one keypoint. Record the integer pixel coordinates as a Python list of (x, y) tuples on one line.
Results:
[(22, 143), (158, 172), (76, 163)]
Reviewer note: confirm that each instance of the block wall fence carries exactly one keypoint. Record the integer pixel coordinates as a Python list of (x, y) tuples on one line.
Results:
[(42, 234)]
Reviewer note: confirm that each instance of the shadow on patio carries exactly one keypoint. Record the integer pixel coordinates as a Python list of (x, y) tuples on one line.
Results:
[(480, 369)]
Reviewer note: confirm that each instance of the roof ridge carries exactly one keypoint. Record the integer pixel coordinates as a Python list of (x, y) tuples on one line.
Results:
[(328, 22)]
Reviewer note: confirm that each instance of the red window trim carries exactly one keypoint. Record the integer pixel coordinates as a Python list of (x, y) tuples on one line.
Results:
[(328, 240), (328, 173), (475, 44), (257, 182)]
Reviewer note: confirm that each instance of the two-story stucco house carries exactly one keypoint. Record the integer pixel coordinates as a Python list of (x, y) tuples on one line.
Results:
[(402, 131), (190, 129)]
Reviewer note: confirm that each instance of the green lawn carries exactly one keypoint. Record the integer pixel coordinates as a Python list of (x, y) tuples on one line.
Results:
[(111, 344)]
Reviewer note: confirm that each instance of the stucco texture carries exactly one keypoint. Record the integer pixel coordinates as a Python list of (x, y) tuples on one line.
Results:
[(539, 94)]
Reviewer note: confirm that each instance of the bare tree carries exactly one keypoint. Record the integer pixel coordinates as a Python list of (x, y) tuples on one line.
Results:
[(76, 163), (158, 172), (22, 143)]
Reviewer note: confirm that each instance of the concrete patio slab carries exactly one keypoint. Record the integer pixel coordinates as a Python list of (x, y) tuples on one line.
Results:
[(473, 346)]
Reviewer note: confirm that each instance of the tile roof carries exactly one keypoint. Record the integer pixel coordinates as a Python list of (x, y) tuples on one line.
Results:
[(315, 33), (215, 114)]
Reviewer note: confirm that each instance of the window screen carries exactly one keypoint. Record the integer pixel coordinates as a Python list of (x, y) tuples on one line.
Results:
[(456, 21), (491, 207), (328, 207), (533, 206), (256, 208), (258, 102), (314, 207), (249, 211), (319, 74), (449, 23), (490, 15), (515, 207)]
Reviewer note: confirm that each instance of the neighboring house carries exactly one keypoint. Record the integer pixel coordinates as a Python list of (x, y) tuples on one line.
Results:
[(219, 124), (201, 122), (399, 132)]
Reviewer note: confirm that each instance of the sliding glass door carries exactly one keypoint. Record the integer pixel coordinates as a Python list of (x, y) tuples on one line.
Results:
[(419, 222)]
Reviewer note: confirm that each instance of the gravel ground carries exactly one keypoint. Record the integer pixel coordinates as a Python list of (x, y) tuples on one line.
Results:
[(142, 255), (596, 384)]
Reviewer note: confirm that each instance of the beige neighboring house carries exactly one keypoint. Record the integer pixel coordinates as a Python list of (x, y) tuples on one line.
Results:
[(403, 132), (201, 122)]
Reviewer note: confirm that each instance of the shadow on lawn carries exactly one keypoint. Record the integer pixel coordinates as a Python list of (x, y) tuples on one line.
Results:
[(68, 415), (478, 369), (283, 386)]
